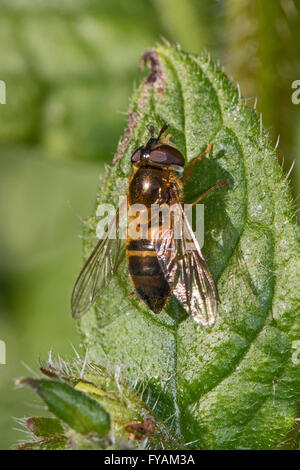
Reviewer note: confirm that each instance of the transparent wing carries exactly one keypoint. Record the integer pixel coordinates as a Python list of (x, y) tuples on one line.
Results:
[(99, 268), (186, 270)]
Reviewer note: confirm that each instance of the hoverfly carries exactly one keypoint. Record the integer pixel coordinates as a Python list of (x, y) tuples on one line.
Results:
[(159, 264)]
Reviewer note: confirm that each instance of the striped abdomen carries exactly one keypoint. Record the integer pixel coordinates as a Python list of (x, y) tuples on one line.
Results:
[(147, 276), (148, 186)]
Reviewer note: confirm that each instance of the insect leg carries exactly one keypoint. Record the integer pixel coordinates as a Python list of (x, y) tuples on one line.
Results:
[(166, 140), (216, 186), (197, 159)]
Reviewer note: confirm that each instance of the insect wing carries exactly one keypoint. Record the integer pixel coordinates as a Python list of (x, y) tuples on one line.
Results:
[(99, 267), (186, 269)]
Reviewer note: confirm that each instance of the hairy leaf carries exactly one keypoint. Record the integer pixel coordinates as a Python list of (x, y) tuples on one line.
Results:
[(87, 407), (235, 385), (78, 410), (53, 443), (44, 427)]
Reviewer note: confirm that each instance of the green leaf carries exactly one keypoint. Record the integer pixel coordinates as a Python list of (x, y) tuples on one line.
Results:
[(133, 424), (44, 427), (235, 385), (78, 410), (52, 443), (125, 406)]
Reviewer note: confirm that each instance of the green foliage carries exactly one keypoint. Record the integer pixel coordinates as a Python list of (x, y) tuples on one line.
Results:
[(44, 427), (69, 67), (261, 53), (73, 407), (96, 410), (69, 70), (236, 385)]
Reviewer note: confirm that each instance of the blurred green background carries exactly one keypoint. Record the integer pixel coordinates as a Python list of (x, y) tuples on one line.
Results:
[(70, 67)]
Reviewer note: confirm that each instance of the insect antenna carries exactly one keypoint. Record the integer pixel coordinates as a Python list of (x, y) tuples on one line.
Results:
[(152, 130), (163, 129)]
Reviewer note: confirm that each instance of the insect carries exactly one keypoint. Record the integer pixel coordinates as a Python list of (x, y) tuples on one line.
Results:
[(160, 264)]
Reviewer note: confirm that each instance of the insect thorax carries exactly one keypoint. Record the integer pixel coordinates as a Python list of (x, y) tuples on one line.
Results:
[(150, 185)]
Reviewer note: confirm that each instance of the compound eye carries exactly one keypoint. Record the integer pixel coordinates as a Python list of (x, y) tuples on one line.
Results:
[(136, 156), (167, 155)]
